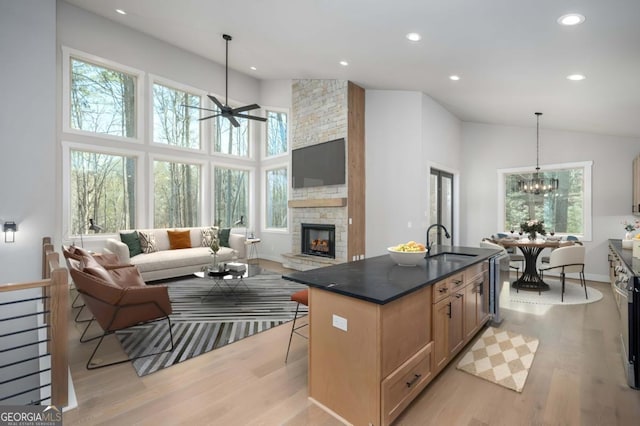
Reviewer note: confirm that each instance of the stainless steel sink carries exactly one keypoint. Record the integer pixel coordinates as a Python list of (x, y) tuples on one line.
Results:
[(452, 257)]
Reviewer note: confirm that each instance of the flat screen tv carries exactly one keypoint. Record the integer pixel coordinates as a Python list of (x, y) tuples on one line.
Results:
[(318, 165)]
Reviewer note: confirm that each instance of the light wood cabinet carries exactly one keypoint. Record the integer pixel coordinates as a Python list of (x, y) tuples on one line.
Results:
[(461, 307), (405, 383), (456, 322), (361, 373), (441, 314), (367, 362), (476, 304)]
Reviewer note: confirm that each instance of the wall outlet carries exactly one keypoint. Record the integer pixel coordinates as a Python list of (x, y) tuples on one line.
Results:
[(339, 322)]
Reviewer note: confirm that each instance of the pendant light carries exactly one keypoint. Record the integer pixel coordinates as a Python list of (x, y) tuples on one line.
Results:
[(537, 184)]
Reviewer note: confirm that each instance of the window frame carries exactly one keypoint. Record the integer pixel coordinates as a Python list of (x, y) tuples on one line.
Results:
[(265, 134), (67, 147), (251, 214), (587, 167), (263, 199), (250, 131), (150, 198), (205, 127), (67, 54)]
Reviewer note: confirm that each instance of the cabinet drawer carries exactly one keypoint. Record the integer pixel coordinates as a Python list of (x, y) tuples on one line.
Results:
[(440, 290), (456, 282), (476, 269), (405, 383)]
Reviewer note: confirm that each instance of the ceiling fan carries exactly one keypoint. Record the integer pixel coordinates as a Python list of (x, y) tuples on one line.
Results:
[(225, 110)]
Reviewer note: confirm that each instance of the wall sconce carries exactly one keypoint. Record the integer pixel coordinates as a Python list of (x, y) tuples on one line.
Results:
[(9, 229)]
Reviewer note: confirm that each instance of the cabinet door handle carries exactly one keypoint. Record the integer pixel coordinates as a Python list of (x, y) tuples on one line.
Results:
[(443, 289), (457, 282), (458, 296), (449, 313), (479, 288), (415, 379)]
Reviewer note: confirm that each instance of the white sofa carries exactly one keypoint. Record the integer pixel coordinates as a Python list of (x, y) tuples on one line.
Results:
[(166, 263)]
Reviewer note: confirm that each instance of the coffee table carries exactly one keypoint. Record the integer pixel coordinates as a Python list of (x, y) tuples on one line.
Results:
[(227, 280)]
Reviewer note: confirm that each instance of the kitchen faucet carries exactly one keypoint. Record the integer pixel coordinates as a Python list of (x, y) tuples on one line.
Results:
[(446, 234)]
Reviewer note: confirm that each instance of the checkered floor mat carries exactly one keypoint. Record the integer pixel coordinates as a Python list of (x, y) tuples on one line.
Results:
[(501, 357)]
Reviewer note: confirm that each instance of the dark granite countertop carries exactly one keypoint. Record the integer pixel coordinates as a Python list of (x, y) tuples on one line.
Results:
[(380, 280), (633, 264)]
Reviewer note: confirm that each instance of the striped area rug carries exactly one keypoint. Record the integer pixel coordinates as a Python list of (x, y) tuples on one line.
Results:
[(204, 319)]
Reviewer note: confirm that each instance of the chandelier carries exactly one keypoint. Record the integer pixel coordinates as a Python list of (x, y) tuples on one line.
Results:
[(538, 184)]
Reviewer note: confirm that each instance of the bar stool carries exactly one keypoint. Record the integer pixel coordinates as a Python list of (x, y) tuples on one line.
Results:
[(301, 297)]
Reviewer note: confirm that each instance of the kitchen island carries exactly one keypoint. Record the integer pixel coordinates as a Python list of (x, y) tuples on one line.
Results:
[(380, 332)]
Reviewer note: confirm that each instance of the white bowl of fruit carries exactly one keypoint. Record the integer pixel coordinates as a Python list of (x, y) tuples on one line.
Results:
[(408, 254)]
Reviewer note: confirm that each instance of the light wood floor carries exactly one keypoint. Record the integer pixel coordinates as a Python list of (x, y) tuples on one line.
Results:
[(576, 379)]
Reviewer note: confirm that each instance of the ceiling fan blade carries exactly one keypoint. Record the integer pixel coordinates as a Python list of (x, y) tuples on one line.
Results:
[(211, 116), (215, 101), (233, 121), (245, 108), (197, 107), (251, 117)]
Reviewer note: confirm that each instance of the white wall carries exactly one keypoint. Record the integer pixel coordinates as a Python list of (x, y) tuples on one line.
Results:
[(487, 148), (442, 142), (405, 134), (27, 168), (28, 138)]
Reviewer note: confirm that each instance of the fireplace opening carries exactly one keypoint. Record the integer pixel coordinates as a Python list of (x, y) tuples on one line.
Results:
[(319, 240)]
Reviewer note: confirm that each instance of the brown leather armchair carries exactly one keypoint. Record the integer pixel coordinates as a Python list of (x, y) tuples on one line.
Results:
[(108, 260), (118, 298)]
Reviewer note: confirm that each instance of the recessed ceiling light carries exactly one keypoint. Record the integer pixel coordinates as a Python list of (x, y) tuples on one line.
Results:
[(576, 77), (413, 37), (344, 63), (121, 12), (454, 77), (571, 19), (253, 68)]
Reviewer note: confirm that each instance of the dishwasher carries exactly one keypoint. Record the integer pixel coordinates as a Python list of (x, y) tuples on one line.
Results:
[(498, 277)]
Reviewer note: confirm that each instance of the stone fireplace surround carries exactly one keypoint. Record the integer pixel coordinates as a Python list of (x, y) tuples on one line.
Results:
[(318, 114)]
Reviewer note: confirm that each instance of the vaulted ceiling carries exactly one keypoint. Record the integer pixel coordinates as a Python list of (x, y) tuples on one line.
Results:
[(512, 56)]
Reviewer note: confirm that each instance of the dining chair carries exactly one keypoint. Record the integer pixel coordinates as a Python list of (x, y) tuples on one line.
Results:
[(568, 259), (545, 259), (301, 297)]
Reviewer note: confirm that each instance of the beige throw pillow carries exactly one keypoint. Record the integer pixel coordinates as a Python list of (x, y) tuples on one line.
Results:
[(208, 235), (148, 242)]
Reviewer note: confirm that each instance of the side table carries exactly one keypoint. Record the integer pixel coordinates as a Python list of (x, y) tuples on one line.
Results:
[(252, 245)]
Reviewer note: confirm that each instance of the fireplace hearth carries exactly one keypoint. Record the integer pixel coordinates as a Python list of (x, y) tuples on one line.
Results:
[(318, 240)]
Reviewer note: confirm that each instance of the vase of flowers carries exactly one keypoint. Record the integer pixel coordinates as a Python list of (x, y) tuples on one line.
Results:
[(630, 227), (214, 247), (533, 228)]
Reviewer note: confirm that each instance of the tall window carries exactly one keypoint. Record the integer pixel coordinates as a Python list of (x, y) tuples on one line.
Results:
[(176, 194), (102, 189), (231, 189), (102, 100), (566, 211), (276, 198), (276, 133), (231, 140), (173, 123)]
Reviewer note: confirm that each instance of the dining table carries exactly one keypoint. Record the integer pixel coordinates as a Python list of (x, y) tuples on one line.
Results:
[(530, 279)]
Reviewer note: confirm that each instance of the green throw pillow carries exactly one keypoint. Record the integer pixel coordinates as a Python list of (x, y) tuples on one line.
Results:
[(132, 240), (223, 234)]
